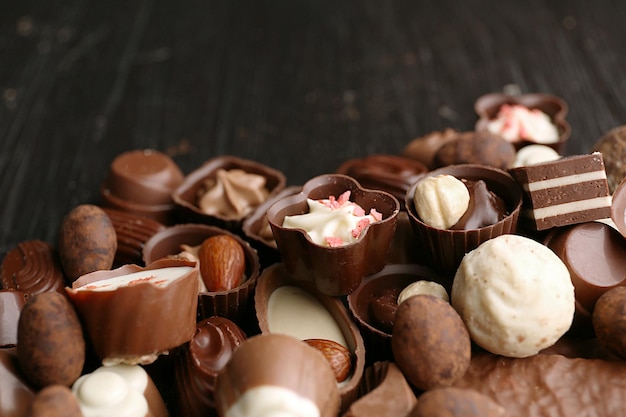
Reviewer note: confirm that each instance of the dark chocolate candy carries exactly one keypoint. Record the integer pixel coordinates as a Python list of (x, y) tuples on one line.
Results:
[(383, 308), (612, 146), (481, 148), (199, 362), (32, 267), (485, 208), (563, 192)]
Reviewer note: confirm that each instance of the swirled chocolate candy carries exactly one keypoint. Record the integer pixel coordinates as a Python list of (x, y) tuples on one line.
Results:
[(32, 267), (566, 191), (199, 362)]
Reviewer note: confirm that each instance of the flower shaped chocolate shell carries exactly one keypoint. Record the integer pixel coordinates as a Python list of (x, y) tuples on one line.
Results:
[(488, 105), (334, 270)]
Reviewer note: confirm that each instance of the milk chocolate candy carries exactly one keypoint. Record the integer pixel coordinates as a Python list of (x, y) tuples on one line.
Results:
[(133, 314), (549, 385), (32, 267), (141, 182), (54, 401), (595, 255), (563, 192), (276, 374)]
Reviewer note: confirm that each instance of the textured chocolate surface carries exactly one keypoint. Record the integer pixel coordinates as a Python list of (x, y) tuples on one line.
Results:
[(549, 385), (481, 148), (32, 267), (566, 191), (612, 146)]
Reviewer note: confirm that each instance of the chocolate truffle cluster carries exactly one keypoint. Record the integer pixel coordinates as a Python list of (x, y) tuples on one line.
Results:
[(473, 273)]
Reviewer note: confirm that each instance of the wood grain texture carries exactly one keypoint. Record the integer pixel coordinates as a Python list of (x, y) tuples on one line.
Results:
[(298, 85)]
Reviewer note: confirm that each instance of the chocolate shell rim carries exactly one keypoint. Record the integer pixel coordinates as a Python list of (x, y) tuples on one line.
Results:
[(208, 169), (487, 106), (297, 204)]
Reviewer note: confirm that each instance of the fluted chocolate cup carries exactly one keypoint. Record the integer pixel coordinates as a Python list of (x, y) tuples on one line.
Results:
[(319, 316), (270, 372), (187, 194), (334, 270), (234, 303), (380, 292), (446, 247), (151, 312), (488, 105)]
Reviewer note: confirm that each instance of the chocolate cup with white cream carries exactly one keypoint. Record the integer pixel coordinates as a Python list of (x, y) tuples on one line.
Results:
[(187, 195), (300, 310), (446, 247), (488, 105), (334, 270), (234, 303), (276, 373), (133, 314)]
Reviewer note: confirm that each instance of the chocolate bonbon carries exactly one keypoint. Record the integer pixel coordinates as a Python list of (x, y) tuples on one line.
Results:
[(134, 314), (567, 191), (32, 267), (612, 146)]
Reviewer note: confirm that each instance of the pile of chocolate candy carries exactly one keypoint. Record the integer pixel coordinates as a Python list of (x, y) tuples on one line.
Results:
[(477, 273)]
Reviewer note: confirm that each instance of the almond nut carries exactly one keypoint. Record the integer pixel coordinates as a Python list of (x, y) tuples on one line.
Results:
[(222, 263), (337, 355)]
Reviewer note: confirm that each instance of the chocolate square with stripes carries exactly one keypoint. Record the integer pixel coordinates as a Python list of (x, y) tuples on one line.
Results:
[(567, 191)]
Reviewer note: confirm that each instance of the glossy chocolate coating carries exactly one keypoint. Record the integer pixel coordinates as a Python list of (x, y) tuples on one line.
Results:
[(32, 267), (11, 303), (391, 173), (485, 208), (134, 323), (201, 359), (383, 308), (595, 255), (339, 270)]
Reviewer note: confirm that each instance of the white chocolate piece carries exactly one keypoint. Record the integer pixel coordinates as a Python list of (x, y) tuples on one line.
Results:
[(535, 154), (272, 401), (514, 295), (160, 277), (112, 391), (423, 287), (440, 201), (295, 312)]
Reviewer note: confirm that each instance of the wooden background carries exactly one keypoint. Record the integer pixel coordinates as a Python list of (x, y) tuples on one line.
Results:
[(298, 85)]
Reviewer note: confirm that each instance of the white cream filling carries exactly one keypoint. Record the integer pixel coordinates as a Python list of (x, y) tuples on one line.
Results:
[(272, 401), (161, 277), (564, 181), (571, 207), (112, 391), (294, 311)]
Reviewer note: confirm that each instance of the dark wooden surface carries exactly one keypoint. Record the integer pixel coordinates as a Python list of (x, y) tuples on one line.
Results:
[(298, 85)]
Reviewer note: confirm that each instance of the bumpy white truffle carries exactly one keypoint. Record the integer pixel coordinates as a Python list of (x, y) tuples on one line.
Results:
[(440, 201), (514, 295)]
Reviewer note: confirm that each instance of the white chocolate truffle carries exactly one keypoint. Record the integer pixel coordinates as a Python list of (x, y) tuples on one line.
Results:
[(514, 295), (423, 287), (535, 154), (440, 201)]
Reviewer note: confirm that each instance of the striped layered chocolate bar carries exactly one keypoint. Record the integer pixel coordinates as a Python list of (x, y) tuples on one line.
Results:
[(567, 191)]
